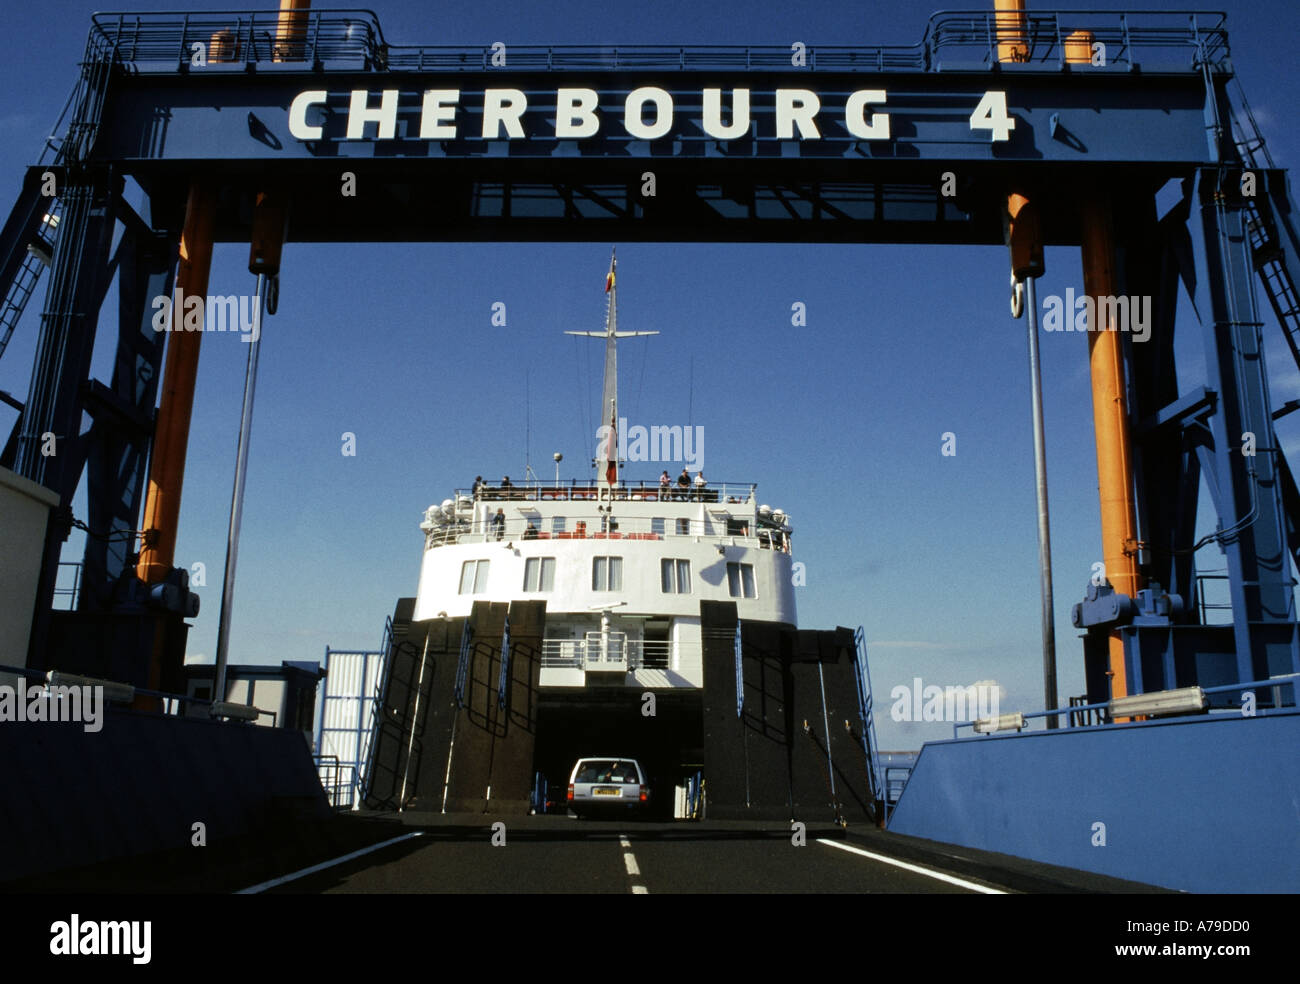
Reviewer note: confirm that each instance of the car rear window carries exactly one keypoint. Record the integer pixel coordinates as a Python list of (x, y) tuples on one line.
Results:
[(608, 770)]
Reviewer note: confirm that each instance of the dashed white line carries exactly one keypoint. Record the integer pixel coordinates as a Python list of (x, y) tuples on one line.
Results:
[(263, 886), (939, 875), (629, 862)]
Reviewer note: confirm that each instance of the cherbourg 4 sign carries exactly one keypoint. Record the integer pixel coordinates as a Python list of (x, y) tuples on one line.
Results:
[(648, 113)]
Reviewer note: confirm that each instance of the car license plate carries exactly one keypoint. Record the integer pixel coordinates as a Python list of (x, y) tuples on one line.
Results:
[(606, 791)]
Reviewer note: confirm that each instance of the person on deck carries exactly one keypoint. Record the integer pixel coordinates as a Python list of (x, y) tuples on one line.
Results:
[(499, 523), (700, 485), (683, 484), (665, 483)]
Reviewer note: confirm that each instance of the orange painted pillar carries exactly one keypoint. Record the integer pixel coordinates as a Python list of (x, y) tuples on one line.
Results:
[(1109, 402), (1110, 421), (1010, 24), (171, 435), (291, 30)]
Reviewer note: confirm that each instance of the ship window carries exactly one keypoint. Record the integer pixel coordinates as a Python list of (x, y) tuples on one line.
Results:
[(606, 573), (740, 580), (557, 524), (675, 576), (657, 525), (683, 527), (539, 574), (473, 576)]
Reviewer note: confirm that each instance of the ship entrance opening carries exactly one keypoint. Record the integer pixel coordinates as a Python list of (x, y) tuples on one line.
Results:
[(668, 743)]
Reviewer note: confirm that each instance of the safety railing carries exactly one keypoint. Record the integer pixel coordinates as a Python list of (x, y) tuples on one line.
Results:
[(538, 796), (338, 790), (462, 662), (738, 653), (637, 528), (503, 683), (695, 796), (574, 490), (1106, 713), (195, 40), (896, 777), (862, 676), (587, 653), (350, 39), (168, 704), (1153, 40), (65, 593)]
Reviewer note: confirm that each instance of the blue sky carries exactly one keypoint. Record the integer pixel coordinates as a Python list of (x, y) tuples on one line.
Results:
[(839, 422)]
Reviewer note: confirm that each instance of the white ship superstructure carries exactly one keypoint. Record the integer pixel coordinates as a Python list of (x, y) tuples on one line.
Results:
[(621, 565)]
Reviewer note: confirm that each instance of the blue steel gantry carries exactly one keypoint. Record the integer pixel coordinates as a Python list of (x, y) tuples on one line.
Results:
[(919, 143)]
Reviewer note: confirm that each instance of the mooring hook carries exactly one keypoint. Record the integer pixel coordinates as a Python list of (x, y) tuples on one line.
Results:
[(1017, 297)]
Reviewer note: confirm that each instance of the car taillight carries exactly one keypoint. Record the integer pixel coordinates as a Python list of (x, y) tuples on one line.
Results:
[(570, 792), (644, 795)]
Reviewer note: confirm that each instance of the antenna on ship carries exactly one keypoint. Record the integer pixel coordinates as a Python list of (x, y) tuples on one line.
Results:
[(607, 455)]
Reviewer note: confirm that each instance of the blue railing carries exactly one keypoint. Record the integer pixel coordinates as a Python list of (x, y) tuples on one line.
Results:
[(862, 674), (739, 649), (695, 796), (376, 708), (462, 663), (538, 796), (1288, 680), (503, 683), (353, 39)]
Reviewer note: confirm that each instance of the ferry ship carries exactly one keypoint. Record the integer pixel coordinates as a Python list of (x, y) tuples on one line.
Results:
[(611, 616)]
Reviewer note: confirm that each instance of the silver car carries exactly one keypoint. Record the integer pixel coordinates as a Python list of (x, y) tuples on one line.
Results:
[(607, 783)]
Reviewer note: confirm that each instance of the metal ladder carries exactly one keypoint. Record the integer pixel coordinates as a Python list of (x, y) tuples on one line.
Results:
[(1274, 245), (40, 251)]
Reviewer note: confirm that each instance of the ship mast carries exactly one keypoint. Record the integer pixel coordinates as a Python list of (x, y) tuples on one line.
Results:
[(607, 454)]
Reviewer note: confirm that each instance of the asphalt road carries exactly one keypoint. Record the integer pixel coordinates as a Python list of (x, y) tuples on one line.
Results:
[(557, 855)]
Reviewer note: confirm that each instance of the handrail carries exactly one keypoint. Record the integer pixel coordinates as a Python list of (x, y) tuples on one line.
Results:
[(362, 777), (1285, 680), (865, 712), (40, 676), (572, 489), (633, 528), (354, 35), (636, 654), (738, 648), (504, 682), (462, 662)]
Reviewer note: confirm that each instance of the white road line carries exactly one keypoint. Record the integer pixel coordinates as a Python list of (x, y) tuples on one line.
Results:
[(950, 879), (629, 862), (263, 886)]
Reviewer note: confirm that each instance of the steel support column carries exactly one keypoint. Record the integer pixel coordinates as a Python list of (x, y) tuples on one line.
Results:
[(1248, 492)]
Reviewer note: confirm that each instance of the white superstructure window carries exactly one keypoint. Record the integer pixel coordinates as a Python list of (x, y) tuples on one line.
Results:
[(675, 576), (539, 574), (606, 573), (557, 524), (740, 580), (657, 525), (683, 527), (473, 576)]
